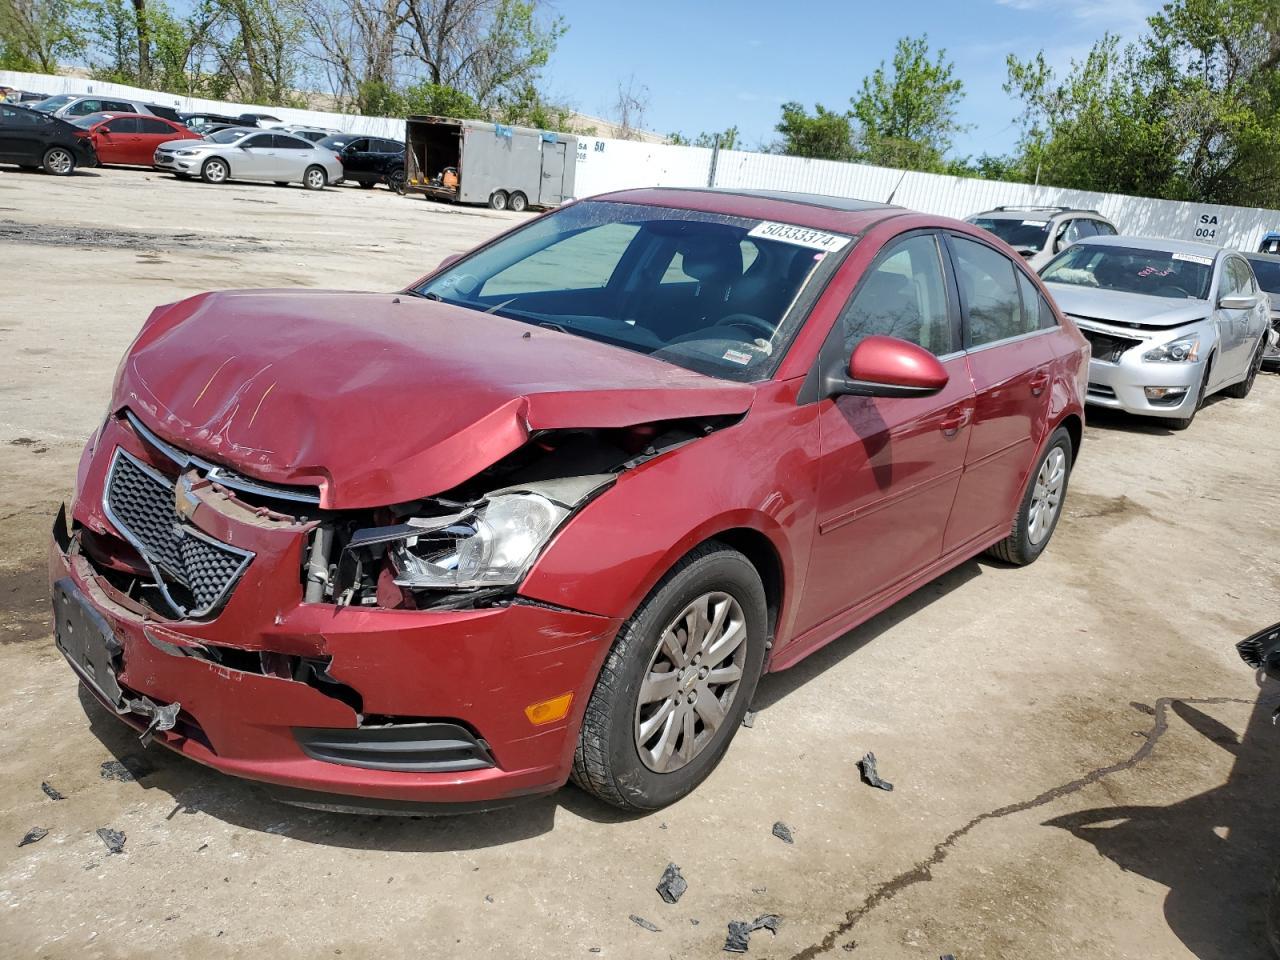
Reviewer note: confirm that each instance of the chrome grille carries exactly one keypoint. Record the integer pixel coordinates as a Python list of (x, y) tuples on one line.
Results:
[(193, 570)]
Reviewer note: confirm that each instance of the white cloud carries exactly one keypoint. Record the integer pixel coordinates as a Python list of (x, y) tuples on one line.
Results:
[(1125, 17)]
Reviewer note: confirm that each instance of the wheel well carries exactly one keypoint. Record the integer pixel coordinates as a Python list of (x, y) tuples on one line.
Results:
[(757, 548), (1075, 429)]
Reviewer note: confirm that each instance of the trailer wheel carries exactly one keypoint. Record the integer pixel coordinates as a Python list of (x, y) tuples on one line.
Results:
[(518, 202), (498, 200)]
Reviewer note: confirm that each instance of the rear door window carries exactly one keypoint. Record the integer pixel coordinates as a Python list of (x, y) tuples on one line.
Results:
[(989, 293), (288, 143), (148, 125), (259, 141), (122, 125), (85, 107)]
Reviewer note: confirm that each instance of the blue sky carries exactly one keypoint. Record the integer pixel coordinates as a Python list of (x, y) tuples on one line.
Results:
[(709, 65)]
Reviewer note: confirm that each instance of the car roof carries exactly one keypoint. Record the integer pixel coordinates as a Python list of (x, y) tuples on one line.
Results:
[(1022, 213), (842, 214), (1159, 244), (1258, 255)]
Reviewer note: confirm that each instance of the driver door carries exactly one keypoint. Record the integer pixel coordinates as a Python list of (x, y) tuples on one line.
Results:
[(890, 467), (255, 159)]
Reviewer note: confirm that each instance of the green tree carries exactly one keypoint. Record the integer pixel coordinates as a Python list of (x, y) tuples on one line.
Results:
[(727, 139), (822, 135), (907, 118), (38, 35)]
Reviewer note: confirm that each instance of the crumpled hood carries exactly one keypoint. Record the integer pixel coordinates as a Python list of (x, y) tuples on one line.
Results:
[(1111, 306), (379, 398)]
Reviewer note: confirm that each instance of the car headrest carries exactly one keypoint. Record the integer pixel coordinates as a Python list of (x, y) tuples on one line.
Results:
[(712, 259)]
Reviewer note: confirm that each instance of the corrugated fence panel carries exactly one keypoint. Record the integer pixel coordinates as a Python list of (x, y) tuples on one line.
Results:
[(607, 164)]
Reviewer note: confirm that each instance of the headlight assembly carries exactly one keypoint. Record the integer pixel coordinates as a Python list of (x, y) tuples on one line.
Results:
[(1183, 350)]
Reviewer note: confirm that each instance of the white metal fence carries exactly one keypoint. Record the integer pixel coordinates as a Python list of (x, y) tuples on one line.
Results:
[(605, 164)]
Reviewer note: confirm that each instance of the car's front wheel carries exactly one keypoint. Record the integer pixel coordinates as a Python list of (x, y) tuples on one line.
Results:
[(215, 171), (674, 687), (59, 161), (1041, 504), (1242, 389)]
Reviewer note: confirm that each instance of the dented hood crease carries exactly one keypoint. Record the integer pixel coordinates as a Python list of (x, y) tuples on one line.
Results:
[(379, 399)]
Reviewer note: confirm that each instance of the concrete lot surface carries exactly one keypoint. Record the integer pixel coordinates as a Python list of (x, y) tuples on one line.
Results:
[(1083, 766)]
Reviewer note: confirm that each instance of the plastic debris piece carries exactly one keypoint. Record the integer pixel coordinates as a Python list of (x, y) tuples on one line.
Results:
[(34, 835), (749, 719), (947, 956), (642, 922), (114, 839), (783, 832), (672, 886), (739, 937), (870, 776), (50, 792)]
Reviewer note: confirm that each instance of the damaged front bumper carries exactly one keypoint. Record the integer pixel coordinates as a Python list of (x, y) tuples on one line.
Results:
[(380, 707)]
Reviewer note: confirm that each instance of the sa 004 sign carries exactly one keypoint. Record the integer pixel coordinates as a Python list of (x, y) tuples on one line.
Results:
[(1207, 226)]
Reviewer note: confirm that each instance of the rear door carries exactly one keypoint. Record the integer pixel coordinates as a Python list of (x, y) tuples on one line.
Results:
[(22, 135), (152, 131), (551, 186), (254, 158), (1010, 360), (889, 467)]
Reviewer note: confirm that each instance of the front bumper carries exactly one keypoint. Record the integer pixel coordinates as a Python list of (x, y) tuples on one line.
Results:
[(1122, 384), (472, 669), (172, 163)]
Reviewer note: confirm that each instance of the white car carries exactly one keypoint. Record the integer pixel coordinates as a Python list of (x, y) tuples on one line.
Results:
[(70, 107), (247, 153), (313, 134), (1040, 233)]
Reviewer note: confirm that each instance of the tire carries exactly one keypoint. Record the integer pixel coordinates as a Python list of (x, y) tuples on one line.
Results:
[(608, 762), (1242, 389), (498, 200), (519, 203), (366, 184), (1032, 530), (215, 170), (58, 161), (315, 178), (1183, 423), (395, 181)]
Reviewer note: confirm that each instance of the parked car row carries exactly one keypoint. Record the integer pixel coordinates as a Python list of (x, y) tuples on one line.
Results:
[(57, 135), (1170, 322)]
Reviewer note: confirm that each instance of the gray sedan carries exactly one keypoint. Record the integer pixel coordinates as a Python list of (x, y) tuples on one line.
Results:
[(247, 153), (1170, 322)]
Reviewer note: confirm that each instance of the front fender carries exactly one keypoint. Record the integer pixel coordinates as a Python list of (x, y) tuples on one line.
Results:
[(758, 475)]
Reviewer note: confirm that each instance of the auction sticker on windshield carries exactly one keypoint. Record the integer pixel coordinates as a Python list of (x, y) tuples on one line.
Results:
[(1192, 258), (801, 236)]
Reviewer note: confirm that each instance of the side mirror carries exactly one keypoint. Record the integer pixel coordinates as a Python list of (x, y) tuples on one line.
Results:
[(1242, 301), (449, 261), (888, 367)]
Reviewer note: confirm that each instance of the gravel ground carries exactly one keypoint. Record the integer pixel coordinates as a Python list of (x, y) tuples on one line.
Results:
[(1083, 767)]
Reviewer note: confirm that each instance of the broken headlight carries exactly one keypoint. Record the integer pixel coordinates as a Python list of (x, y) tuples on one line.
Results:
[(493, 545)]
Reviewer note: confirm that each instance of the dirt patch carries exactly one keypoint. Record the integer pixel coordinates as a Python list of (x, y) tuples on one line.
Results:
[(61, 235), (1092, 506), (24, 604)]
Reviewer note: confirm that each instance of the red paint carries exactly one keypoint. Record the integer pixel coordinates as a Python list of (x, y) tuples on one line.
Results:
[(380, 399), (136, 146)]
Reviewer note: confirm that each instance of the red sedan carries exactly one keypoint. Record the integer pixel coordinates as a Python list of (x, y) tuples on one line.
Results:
[(130, 138), (551, 511)]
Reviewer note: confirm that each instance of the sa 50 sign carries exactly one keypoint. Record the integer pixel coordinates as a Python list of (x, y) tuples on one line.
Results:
[(1207, 227)]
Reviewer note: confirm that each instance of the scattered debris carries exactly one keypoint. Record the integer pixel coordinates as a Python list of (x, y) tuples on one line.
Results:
[(694, 922), (642, 922), (662, 825), (488, 897), (595, 950), (1146, 708), (783, 832), (740, 933), (50, 792), (759, 890), (947, 956), (869, 775), (126, 770), (34, 835), (749, 719), (114, 839), (672, 886)]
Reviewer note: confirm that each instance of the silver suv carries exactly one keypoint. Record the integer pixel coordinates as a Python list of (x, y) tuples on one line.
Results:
[(1040, 233), (69, 107)]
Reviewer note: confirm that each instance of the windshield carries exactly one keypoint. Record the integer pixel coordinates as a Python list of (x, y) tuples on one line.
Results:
[(1268, 274), (52, 104), (1155, 273), (229, 135), (91, 120), (335, 143), (1027, 234), (716, 294)]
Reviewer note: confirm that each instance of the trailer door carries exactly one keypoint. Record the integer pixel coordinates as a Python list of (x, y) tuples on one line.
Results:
[(551, 189)]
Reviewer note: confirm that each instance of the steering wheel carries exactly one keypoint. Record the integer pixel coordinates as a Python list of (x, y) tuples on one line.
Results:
[(749, 322), (1175, 288)]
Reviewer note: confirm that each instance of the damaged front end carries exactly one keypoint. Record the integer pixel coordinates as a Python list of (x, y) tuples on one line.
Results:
[(379, 653)]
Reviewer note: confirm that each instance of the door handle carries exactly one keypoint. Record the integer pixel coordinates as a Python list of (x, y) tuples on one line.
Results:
[(1038, 382), (953, 421)]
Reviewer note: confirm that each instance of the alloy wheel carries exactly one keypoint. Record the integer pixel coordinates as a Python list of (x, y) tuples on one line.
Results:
[(1047, 496), (59, 161), (691, 682), (315, 179)]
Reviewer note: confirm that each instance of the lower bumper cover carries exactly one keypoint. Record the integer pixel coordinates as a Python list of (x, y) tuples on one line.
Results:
[(479, 667), (1122, 386)]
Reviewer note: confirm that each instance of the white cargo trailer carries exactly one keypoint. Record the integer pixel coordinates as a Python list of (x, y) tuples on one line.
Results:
[(470, 161)]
